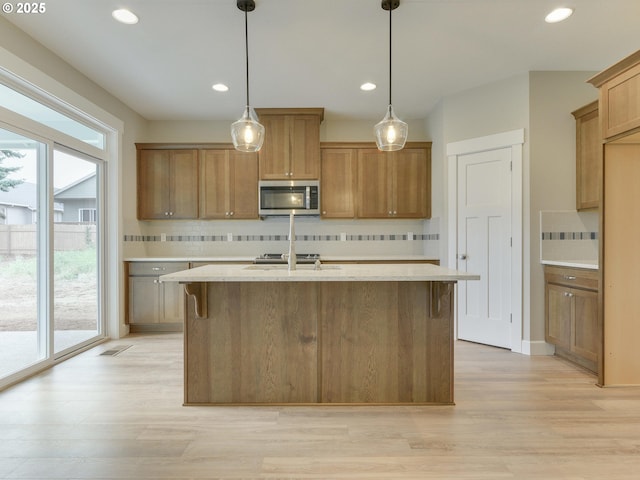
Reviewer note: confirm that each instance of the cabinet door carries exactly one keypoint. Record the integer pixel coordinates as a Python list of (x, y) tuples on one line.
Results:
[(338, 176), (143, 300), (410, 183), (171, 296), (585, 324), (304, 141), (373, 184), (274, 154), (214, 183), (620, 101), (153, 184), (167, 184), (243, 185), (558, 316), (184, 184), (588, 157)]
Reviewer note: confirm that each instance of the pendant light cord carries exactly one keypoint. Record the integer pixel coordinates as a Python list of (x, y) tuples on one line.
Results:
[(246, 50), (390, 10)]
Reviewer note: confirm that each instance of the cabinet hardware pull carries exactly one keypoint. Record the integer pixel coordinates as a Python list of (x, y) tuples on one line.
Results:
[(569, 277), (568, 294)]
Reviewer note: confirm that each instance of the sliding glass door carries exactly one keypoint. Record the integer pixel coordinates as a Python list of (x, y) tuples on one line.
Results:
[(76, 259), (21, 331), (50, 252)]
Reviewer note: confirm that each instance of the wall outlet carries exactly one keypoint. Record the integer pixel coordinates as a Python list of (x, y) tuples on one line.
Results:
[(229, 237), (343, 236), (163, 237), (410, 236)]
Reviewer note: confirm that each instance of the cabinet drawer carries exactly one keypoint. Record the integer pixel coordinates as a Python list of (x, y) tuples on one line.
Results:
[(156, 268), (572, 277)]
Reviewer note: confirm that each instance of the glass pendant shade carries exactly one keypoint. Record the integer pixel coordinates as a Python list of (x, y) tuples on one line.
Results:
[(247, 133), (391, 132)]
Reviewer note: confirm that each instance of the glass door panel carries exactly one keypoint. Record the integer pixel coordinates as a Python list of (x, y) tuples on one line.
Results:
[(75, 250), (21, 328)]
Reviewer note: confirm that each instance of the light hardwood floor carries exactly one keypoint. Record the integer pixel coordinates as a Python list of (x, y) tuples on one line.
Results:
[(121, 417)]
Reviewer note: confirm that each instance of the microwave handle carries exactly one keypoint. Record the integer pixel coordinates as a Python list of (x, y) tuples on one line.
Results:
[(307, 197)]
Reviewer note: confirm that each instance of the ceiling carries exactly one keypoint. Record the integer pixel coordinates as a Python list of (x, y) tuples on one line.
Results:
[(316, 53)]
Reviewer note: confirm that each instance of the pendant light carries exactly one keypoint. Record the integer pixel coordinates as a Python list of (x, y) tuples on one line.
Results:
[(391, 132), (247, 133)]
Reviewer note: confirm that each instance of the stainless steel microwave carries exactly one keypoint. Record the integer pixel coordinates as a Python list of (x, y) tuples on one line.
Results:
[(281, 197)]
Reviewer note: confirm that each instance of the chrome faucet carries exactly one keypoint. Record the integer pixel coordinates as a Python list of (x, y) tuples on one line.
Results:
[(291, 258)]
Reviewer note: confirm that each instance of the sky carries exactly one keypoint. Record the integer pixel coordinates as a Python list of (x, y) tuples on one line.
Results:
[(67, 168)]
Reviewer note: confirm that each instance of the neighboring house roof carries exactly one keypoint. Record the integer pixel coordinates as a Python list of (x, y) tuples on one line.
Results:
[(23, 195), (82, 188)]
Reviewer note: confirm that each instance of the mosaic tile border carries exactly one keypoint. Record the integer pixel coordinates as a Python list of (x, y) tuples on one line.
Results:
[(278, 238), (569, 235)]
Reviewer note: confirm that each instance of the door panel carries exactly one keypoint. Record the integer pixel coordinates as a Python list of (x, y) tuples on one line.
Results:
[(243, 182), (484, 242), (411, 175), (184, 184), (373, 195)]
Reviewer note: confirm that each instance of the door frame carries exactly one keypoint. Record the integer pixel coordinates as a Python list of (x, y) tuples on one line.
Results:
[(513, 139)]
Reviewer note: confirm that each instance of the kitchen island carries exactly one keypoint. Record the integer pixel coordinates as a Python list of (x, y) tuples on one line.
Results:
[(342, 334)]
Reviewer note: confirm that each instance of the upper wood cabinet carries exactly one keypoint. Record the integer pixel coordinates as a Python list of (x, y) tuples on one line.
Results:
[(588, 157), (167, 184), (619, 96), (394, 184), (228, 184), (338, 182), (291, 148)]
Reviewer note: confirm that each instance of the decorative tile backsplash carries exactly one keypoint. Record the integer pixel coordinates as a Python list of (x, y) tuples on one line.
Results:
[(279, 238), (569, 236), (249, 238)]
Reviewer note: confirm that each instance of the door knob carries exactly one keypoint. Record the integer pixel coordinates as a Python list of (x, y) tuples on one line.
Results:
[(462, 256)]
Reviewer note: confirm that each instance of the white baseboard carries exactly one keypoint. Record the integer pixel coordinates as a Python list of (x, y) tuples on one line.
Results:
[(537, 348)]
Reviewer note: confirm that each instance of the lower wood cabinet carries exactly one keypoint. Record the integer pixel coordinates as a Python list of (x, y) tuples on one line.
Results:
[(154, 305), (571, 314)]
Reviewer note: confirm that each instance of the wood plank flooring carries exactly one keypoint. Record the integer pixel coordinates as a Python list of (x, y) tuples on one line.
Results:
[(121, 417)]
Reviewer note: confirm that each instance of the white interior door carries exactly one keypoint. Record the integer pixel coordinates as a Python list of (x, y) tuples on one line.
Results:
[(484, 246)]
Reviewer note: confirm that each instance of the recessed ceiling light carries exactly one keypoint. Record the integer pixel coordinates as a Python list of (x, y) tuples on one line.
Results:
[(125, 16), (558, 15), (220, 87), (367, 87)]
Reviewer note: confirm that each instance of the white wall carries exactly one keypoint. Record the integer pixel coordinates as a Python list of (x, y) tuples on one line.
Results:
[(552, 150), (541, 103), (485, 110), (41, 67)]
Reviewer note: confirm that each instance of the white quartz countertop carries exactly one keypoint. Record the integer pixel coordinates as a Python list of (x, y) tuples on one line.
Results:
[(589, 264), (326, 258), (190, 259), (405, 272)]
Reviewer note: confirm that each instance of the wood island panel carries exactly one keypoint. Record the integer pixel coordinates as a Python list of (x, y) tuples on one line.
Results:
[(358, 342), (381, 345), (257, 344)]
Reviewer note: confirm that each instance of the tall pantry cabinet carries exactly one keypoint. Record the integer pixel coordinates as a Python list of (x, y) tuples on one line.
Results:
[(619, 110)]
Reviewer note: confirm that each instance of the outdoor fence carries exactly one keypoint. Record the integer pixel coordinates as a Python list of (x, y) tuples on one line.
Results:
[(18, 240)]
